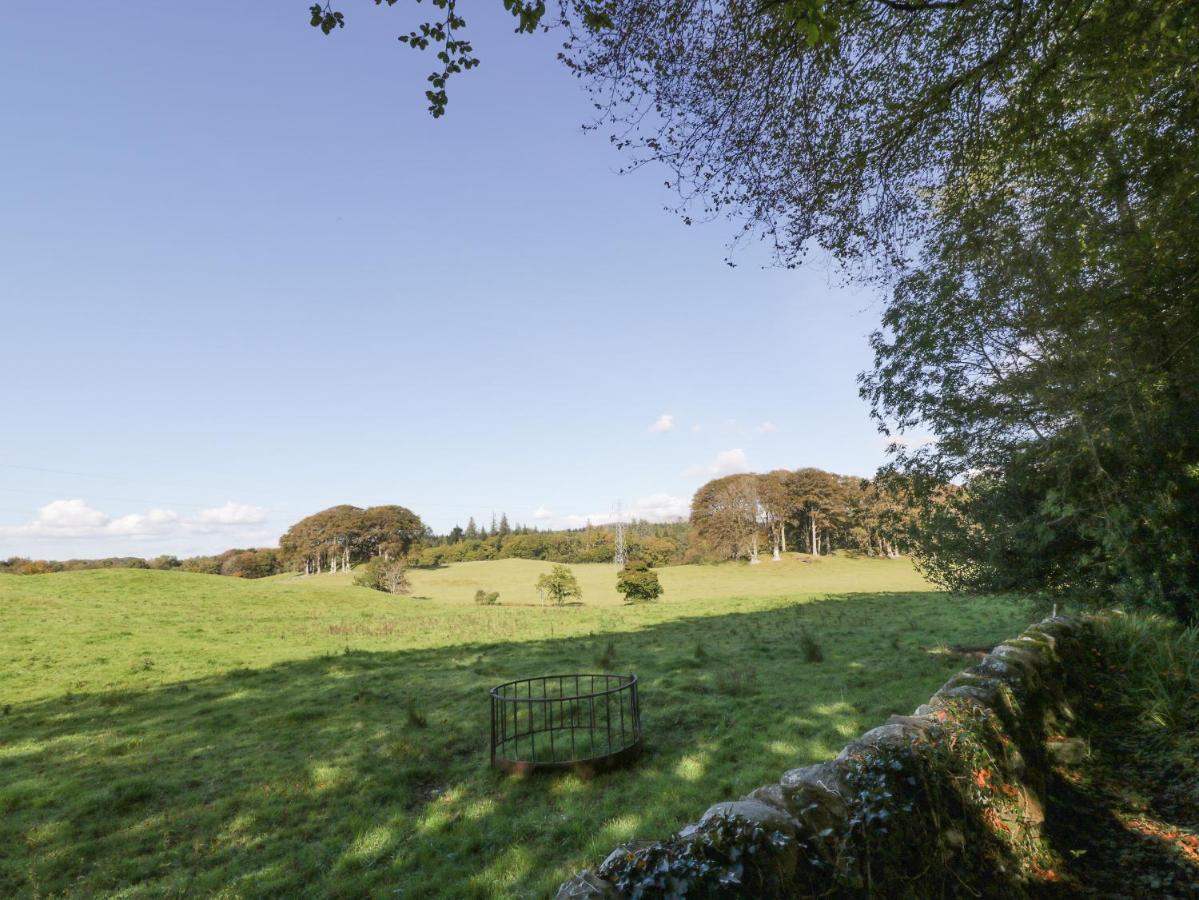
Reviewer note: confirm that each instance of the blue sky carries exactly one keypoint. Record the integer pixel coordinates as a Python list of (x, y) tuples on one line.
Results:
[(245, 276)]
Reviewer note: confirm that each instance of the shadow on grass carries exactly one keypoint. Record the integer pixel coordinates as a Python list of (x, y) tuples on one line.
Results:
[(317, 776)]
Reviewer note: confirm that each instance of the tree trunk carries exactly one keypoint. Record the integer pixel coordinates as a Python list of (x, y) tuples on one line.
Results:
[(753, 549), (813, 540)]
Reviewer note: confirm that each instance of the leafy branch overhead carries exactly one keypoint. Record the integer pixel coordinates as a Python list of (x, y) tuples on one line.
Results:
[(456, 54)]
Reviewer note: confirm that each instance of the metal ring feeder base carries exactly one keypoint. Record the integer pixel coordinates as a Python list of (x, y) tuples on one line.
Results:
[(582, 723)]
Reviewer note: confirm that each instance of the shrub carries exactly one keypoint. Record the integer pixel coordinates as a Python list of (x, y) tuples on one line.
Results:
[(387, 575), (486, 598), (638, 582)]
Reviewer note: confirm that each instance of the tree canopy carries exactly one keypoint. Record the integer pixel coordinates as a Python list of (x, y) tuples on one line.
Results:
[(343, 535), (736, 516)]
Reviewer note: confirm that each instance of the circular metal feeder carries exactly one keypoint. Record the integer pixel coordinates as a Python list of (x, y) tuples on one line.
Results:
[(552, 723)]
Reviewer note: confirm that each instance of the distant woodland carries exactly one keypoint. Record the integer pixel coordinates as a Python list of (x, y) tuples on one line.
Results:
[(747, 517)]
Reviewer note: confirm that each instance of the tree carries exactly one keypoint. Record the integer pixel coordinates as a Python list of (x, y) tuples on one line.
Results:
[(726, 516), (472, 530), (775, 498), (817, 500), (341, 536), (504, 529), (1047, 335), (388, 531), (638, 582), (559, 585), (381, 574)]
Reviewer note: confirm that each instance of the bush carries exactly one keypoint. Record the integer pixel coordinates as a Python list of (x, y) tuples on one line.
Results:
[(387, 575), (638, 582), (487, 598)]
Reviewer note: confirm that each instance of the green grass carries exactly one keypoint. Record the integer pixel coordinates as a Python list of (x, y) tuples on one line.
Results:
[(165, 733)]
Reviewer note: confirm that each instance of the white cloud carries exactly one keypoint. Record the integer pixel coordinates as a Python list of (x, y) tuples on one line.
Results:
[(661, 508), (730, 461), (74, 519), (67, 515), (232, 514), (766, 428), (152, 524), (727, 462), (664, 422), (542, 513)]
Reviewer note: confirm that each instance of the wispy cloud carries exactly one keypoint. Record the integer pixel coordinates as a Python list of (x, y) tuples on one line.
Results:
[(766, 428), (664, 422), (727, 462)]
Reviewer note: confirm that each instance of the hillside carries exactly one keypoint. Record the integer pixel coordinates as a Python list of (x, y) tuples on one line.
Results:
[(175, 733)]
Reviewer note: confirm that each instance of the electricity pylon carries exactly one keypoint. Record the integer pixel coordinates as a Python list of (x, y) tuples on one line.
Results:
[(619, 557)]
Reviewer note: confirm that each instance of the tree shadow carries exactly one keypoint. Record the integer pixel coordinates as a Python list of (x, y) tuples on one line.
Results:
[(367, 772)]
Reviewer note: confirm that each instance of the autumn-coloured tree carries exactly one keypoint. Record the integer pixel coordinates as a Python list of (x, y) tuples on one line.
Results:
[(726, 516)]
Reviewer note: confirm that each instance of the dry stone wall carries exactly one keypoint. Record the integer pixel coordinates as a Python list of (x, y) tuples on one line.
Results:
[(946, 802)]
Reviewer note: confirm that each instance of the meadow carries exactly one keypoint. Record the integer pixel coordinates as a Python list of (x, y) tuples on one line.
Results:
[(164, 733)]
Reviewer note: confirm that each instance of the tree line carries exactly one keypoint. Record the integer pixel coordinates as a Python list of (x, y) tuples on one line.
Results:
[(734, 517), (658, 543), (747, 515), (242, 562)]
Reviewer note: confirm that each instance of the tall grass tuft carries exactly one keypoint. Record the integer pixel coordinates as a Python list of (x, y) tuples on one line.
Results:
[(608, 660), (736, 682), (810, 648), (416, 718), (1157, 660)]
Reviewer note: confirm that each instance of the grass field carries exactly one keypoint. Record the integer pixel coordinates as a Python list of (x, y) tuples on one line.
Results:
[(167, 734)]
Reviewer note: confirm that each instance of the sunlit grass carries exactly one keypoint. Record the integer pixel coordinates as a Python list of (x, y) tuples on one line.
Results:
[(184, 734)]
